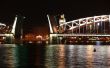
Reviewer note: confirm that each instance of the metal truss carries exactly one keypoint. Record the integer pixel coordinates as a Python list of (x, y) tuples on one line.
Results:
[(84, 22)]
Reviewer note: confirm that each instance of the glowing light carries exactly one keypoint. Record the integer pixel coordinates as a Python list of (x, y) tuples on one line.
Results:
[(6, 35), (14, 26), (51, 35), (51, 31), (87, 20), (98, 24), (2, 24), (39, 37)]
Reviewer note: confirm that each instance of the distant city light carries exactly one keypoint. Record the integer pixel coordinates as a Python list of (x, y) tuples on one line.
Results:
[(39, 37)]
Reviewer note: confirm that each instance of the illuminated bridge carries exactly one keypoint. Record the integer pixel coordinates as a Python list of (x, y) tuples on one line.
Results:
[(85, 29), (11, 34)]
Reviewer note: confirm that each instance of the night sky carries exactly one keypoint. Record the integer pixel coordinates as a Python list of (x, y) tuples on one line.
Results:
[(35, 11)]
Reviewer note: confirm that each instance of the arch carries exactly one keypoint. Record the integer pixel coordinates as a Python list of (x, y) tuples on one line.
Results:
[(85, 22)]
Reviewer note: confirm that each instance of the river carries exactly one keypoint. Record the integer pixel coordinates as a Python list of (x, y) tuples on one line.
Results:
[(54, 56)]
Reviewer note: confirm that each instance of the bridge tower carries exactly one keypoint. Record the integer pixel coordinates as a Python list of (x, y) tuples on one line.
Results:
[(17, 28), (55, 27), (62, 20)]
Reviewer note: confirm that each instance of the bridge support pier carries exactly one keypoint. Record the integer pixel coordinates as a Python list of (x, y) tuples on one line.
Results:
[(50, 39), (9, 40), (55, 39)]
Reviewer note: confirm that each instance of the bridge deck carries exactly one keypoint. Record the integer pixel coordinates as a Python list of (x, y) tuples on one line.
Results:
[(79, 34), (6, 34)]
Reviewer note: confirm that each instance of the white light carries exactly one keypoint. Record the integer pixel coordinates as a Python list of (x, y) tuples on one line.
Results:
[(39, 36), (51, 31), (14, 26), (2, 24), (51, 35), (92, 20), (98, 24)]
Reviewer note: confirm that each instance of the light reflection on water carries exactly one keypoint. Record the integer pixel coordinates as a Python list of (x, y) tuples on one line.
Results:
[(6, 57), (78, 56), (21, 56), (89, 56), (54, 56), (61, 56)]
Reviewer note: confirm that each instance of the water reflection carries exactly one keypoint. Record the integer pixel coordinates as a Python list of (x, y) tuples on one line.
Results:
[(54, 56), (61, 56), (77, 56), (71, 54), (108, 56), (22, 56), (51, 57), (7, 59), (89, 56)]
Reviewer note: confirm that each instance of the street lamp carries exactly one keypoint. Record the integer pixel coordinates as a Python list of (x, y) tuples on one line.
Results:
[(98, 27), (98, 24)]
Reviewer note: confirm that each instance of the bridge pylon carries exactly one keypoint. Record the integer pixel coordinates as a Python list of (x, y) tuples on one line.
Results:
[(17, 29), (54, 26)]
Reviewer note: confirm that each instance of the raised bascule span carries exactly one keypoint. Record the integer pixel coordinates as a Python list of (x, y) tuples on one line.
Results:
[(95, 26), (14, 33)]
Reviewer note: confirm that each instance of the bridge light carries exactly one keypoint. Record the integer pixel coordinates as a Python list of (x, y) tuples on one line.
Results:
[(14, 25), (98, 24), (2, 24), (51, 31)]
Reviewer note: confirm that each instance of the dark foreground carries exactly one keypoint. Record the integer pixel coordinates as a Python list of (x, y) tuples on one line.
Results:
[(54, 56)]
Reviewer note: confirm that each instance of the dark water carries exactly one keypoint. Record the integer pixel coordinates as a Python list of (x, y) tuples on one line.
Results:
[(54, 56)]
